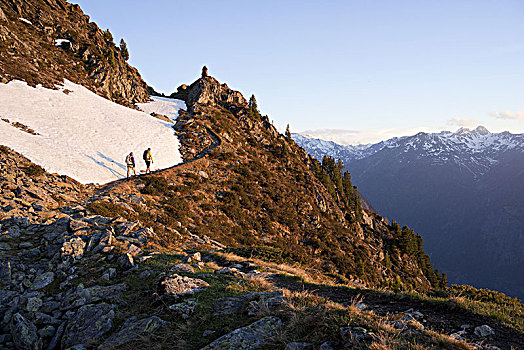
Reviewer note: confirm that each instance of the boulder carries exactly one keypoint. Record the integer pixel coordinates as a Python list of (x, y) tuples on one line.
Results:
[(88, 325), (183, 268), (2, 15), (484, 331), (81, 296), (184, 309), (177, 285), (132, 331), (24, 333), (126, 261), (250, 337), (43, 280), (192, 258), (73, 247)]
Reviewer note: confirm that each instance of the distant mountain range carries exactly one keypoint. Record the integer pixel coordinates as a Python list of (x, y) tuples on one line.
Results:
[(462, 191)]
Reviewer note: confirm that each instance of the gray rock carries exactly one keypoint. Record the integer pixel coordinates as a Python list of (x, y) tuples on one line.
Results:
[(250, 337), (43, 280), (326, 346), (484, 331), (177, 285), (254, 301), (24, 333), (183, 268), (184, 309), (192, 258), (53, 344), (5, 272), (105, 244), (298, 346), (133, 331), (82, 296), (356, 335), (125, 261), (208, 332), (47, 332), (33, 304), (89, 325), (73, 247)]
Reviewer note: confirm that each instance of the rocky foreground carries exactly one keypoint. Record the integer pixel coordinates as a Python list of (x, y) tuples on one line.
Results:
[(75, 280)]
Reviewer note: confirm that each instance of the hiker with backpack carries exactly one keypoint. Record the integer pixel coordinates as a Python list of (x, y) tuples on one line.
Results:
[(148, 158), (130, 162)]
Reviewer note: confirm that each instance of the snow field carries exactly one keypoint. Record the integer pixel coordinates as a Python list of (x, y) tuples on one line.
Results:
[(83, 135)]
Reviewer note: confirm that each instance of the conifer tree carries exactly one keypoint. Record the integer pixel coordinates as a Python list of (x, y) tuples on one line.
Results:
[(253, 107), (288, 133), (108, 36), (124, 50)]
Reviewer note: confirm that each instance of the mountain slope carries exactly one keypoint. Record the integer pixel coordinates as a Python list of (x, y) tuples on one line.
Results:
[(47, 41), (461, 190), (74, 132)]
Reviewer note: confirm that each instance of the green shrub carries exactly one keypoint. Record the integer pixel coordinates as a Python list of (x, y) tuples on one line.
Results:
[(33, 170)]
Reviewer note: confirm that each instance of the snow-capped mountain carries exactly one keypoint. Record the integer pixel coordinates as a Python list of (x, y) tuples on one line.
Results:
[(462, 191), (476, 150)]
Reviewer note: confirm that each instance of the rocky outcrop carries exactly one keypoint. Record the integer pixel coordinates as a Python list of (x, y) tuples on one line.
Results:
[(208, 91), (56, 42), (132, 330)]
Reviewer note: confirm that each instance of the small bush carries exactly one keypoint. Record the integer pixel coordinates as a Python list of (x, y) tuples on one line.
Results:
[(4, 149), (155, 185), (33, 170), (106, 209)]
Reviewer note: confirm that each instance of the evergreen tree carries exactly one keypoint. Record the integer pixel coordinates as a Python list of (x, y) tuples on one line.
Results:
[(108, 36), (288, 133), (124, 50), (253, 108)]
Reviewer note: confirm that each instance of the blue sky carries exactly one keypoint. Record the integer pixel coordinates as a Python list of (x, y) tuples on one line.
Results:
[(374, 68)]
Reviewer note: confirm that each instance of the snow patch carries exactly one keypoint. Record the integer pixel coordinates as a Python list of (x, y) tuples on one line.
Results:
[(163, 105), (59, 42), (82, 135), (25, 20)]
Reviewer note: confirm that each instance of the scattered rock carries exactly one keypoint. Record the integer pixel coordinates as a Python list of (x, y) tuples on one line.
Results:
[(257, 301), (326, 346), (177, 285), (184, 309), (74, 247), (88, 325), (484, 331), (356, 335), (133, 330), (183, 268), (298, 346), (24, 333), (249, 337), (192, 258), (126, 261), (33, 304), (43, 280)]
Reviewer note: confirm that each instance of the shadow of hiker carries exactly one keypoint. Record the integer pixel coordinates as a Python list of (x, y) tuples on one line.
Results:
[(113, 171)]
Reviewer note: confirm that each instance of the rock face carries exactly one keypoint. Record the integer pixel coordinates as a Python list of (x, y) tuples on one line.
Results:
[(208, 91), (250, 337), (87, 55)]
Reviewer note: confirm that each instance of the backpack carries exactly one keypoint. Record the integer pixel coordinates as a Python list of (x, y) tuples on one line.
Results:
[(145, 155), (129, 160)]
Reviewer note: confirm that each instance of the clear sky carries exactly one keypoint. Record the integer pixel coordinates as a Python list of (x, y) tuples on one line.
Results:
[(380, 68)]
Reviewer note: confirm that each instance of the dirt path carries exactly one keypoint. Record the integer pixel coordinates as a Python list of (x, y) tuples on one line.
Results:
[(441, 317)]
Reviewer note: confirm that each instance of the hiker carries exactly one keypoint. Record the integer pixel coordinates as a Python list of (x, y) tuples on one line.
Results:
[(130, 161), (148, 158)]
